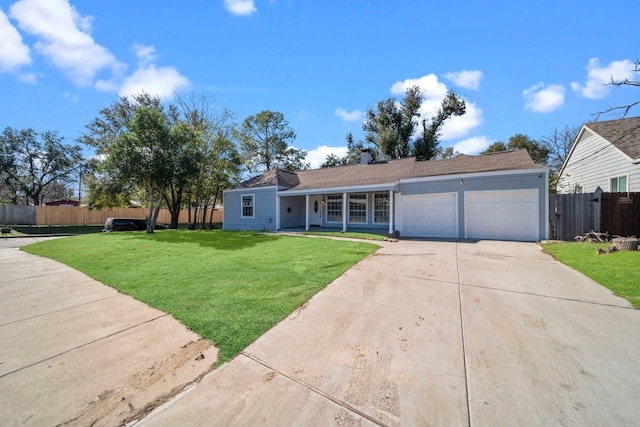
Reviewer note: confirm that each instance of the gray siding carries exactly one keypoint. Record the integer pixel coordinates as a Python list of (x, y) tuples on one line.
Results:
[(264, 210), (534, 180), (592, 163), (292, 212)]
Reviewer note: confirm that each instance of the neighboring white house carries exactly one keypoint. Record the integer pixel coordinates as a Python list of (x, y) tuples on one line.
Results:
[(604, 155)]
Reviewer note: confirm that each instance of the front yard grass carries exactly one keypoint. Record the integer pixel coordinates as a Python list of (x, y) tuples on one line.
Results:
[(618, 271), (346, 234), (229, 287)]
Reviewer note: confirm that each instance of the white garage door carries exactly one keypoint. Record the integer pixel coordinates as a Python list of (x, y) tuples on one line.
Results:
[(502, 215), (430, 215)]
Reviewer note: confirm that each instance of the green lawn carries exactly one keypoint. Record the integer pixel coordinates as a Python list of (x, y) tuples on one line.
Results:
[(347, 234), (618, 271), (229, 287)]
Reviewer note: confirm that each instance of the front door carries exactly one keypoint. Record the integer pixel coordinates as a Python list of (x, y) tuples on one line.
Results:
[(315, 210)]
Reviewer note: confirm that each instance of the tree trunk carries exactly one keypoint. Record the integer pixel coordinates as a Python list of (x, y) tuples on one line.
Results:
[(625, 243)]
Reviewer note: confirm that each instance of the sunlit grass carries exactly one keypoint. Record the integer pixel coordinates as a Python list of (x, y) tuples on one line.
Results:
[(229, 287)]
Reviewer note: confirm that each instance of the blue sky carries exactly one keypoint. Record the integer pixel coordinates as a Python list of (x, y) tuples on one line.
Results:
[(522, 67)]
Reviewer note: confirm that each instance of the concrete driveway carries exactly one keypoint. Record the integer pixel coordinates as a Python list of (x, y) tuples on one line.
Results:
[(76, 352), (435, 333)]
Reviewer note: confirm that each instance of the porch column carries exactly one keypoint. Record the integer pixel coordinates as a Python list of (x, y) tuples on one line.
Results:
[(390, 211), (306, 210), (344, 212), (277, 213)]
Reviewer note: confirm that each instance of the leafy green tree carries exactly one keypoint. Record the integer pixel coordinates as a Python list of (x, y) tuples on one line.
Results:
[(391, 125), (538, 152), (496, 147), (30, 162), (146, 153), (264, 142)]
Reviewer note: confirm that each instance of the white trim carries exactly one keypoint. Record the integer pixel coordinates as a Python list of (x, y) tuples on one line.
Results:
[(253, 206), (234, 190), (474, 175), (335, 190), (306, 215), (345, 212), (390, 211), (326, 217), (277, 212), (373, 208), (618, 177), (366, 209)]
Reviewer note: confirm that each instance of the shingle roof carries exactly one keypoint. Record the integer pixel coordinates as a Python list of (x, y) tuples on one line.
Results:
[(392, 171), (273, 177), (622, 133)]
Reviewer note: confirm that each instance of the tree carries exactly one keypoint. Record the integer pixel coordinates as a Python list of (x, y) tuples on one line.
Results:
[(623, 82), (220, 161), (146, 153), (426, 147), (559, 143), (31, 162), (538, 152), (391, 126), (496, 147), (265, 140)]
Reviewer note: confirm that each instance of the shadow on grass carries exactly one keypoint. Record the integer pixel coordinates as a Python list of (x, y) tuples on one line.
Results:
[(216, 239)]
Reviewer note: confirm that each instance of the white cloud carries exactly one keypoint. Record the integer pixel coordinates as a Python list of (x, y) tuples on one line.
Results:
[(472, 145), (163, 82), (146, 54), (429, 85), (240, 7), (28, 78), (64, 38), (544, 99), (13, 52), (317, 156), (468, 79), (350, 116), (598, 76)]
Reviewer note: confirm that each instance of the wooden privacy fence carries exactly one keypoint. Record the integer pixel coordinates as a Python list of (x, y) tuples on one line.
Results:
[(571, 215), (69, 215)]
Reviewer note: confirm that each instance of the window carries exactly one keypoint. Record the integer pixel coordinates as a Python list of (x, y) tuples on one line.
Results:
[(334, 208), (247, 206), (358, 208), (381, 208), (618, 184)]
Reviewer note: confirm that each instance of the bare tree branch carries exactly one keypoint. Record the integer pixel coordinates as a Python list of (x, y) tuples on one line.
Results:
[(623, 109)]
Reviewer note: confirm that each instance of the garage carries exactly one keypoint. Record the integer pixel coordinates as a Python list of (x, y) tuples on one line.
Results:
[(502, 215), (430, 215)]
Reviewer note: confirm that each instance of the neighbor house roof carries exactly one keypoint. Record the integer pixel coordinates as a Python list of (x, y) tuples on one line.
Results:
[(391, 171), (622, 133)]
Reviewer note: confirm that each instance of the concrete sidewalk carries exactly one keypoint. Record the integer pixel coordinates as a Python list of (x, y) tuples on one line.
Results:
[(76, 352), (435, 333)]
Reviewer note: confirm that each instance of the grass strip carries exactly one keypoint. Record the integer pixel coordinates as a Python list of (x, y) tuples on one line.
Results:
[(617, 271), (229, 287), (346, 234)]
